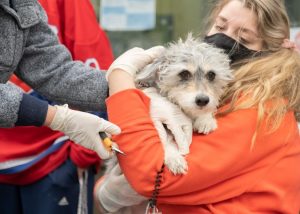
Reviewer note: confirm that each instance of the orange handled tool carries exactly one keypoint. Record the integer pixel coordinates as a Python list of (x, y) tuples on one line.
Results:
[(108, 144)]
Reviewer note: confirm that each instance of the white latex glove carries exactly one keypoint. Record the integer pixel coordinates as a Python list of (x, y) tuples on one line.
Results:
[(164, 112), (135, 59), (114, 192), (83, 128)]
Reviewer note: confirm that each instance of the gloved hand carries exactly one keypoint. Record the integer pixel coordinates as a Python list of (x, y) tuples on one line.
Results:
[(164, 112), (135, 59), (83, 128), (113, 192)]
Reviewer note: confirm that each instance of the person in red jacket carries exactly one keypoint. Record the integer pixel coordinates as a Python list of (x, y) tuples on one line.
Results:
[(46, 177), (250, 163)]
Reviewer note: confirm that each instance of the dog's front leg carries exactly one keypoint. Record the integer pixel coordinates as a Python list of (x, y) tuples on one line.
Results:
[(174, 161), (167, 116), (205, 123)]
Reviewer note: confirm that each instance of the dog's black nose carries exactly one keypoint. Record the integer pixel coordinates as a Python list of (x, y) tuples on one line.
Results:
[(202, 100)]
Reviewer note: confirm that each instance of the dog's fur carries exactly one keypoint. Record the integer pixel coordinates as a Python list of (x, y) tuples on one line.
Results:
[(192, 75)]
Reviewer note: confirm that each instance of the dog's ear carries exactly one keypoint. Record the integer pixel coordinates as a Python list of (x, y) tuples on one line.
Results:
[(148, 76)]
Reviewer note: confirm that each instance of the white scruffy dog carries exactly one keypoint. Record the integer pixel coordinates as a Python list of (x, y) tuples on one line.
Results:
[(189, 77), (192, 75)]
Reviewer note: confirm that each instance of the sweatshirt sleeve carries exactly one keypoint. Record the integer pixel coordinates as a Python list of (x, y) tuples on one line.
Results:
[(220, 165), (48, 68), (11, 97), (20, 109)]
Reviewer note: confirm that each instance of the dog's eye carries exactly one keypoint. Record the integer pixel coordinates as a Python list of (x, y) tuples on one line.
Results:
[(185, 75), (210, 75)]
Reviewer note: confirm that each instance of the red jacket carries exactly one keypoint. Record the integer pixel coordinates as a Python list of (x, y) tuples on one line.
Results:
[(76, 25), (224, 174)]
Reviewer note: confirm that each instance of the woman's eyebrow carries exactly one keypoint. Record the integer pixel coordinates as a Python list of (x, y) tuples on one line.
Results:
[(222, 18)]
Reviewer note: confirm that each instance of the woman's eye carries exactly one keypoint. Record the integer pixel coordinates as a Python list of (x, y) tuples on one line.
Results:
[(218, 27), (244, 41), (211, 75), (185, 75)]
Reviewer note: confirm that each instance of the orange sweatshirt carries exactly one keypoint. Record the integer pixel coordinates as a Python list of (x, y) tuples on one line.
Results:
[(224, 174)]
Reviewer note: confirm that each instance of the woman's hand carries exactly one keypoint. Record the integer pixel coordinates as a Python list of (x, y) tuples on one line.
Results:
[(121, 73), (134, 60), (113, 192)]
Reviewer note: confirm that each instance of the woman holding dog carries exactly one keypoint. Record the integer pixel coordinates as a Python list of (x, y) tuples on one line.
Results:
[(249, 164)]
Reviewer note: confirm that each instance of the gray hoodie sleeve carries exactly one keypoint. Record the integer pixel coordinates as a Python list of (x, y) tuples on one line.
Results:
[(48, 68)]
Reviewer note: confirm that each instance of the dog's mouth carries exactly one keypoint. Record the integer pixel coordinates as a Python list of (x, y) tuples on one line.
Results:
[(200, 107), (192, 106), (195, 110)]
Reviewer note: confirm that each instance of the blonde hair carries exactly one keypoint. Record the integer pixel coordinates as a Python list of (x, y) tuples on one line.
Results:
[(273, 78)]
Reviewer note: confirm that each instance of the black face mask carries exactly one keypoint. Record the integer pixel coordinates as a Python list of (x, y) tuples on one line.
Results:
[(235, 50)]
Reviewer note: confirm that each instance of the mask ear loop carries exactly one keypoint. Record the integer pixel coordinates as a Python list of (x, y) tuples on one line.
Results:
[(234, 48), (236, 44), (239, 36)]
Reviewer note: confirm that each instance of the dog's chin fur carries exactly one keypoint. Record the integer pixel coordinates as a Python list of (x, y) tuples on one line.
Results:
[(202, 116)]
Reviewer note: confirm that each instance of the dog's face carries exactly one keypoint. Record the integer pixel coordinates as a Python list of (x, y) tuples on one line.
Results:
[(191, 74)]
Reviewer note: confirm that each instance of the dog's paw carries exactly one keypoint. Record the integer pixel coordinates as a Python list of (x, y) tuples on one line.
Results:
[(205, 125), (176, 163)]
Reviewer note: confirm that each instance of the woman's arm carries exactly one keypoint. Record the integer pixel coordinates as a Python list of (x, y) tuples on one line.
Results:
[(119, 80), (220, 164)]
